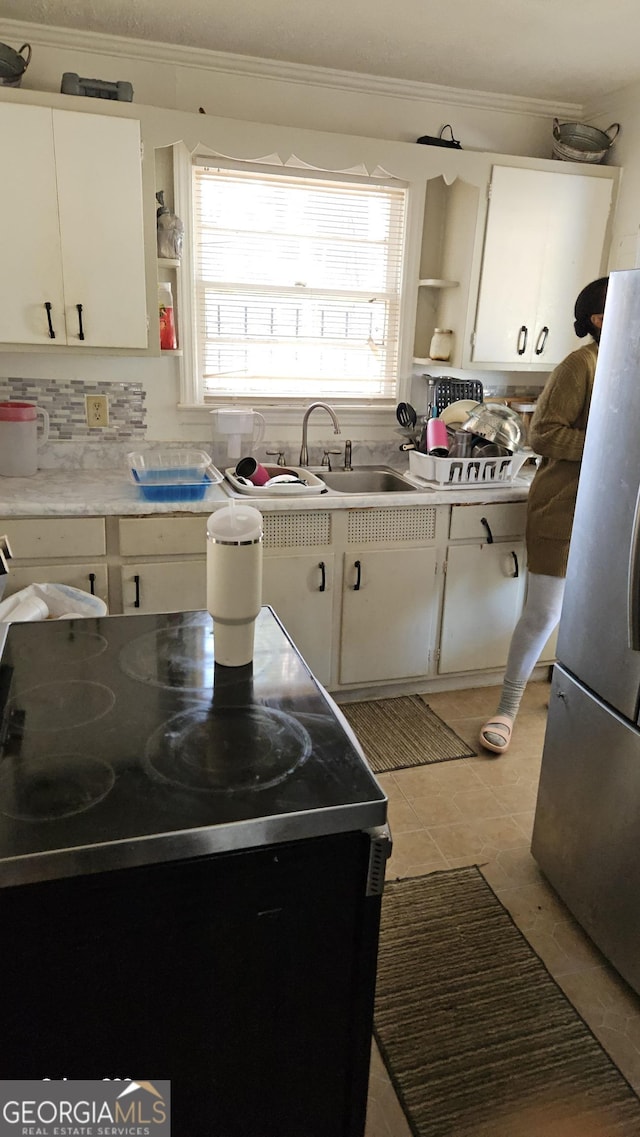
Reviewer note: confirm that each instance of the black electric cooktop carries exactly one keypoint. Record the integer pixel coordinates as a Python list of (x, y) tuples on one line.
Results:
[(122, 743)]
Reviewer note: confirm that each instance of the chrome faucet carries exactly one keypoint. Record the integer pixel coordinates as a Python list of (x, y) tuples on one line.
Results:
[(347, 455), (304, 453)]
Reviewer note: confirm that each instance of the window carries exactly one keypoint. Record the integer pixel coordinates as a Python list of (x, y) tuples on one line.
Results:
[(297, 282)]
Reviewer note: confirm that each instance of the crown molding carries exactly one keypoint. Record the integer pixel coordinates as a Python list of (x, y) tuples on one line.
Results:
[(177, 55)]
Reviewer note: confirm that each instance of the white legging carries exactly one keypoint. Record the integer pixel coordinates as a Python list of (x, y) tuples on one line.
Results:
[(540, 616)]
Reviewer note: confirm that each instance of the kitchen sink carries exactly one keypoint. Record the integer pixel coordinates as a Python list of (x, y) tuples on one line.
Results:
[(366, 479)]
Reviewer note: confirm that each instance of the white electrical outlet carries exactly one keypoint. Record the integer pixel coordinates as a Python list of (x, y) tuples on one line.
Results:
[(97, 410)]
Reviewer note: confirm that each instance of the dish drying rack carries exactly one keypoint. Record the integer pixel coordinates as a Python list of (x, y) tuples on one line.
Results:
[(448, 391), (450, 472)]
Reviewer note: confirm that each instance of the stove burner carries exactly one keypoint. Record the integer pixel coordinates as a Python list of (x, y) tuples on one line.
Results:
[(228, 748), (79, 646), (60, 785), (59, 705), (179, 657)]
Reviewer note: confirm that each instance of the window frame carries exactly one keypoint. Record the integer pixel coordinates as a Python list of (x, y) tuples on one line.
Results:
[(191, 395)]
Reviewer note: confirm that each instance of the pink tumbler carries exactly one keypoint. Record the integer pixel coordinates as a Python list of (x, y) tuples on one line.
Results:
[(437, 438)]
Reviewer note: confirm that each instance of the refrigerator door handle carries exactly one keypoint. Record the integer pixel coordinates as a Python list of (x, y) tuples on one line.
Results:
[(633, 583)]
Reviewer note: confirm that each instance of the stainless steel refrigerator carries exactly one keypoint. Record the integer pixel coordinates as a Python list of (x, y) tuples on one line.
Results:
[(586, 835)]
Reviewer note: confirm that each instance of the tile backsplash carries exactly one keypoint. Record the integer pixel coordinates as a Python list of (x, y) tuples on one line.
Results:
[(64, 402)]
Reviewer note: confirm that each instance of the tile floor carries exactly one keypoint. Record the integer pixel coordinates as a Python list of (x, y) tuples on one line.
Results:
[(480, 811)]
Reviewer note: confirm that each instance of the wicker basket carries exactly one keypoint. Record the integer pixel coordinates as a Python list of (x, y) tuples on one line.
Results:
[(575, 142)]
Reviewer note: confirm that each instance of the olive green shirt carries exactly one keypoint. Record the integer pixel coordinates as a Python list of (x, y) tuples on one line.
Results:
[(557, 433)]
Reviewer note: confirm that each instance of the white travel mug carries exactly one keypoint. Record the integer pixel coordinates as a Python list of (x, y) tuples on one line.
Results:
[(234, 581)]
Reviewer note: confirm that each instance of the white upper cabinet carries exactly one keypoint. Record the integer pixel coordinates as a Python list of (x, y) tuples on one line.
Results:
[(544, 241), (71, 203)]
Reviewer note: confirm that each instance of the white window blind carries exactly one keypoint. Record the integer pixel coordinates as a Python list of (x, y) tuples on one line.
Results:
[(297, 284)]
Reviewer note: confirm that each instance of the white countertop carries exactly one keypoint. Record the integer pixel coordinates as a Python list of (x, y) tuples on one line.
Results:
[(90, 493)]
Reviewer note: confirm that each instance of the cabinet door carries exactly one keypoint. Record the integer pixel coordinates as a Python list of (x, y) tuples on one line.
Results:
[(31, 255), (544, 241), (389, 609), (170, 586), (483, 599), (300, 590), (572, 257), (98, 166)]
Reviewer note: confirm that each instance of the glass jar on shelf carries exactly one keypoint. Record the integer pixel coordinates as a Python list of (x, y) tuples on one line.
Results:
[(441, 344)]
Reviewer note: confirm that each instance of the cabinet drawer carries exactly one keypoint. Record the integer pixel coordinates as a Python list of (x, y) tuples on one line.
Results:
[(87, 577), (44, 537), (160, 536), (504, 519)]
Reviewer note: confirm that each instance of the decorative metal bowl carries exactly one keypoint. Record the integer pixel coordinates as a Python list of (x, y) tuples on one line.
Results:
[(496, 423)]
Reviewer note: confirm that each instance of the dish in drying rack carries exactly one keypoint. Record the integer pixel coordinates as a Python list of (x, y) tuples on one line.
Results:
[(457, 413)]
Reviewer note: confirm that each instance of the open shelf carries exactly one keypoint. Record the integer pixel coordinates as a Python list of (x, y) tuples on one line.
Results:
[(435, 282)]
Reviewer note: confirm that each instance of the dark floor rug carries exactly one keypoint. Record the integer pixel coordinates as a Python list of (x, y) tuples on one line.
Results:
[(402, 732), (478, 1039)]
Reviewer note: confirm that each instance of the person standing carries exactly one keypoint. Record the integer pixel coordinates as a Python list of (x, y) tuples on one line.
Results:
[(557, 434)]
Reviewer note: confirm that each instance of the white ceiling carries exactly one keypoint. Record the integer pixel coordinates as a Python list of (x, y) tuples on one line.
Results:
[(565, 50)]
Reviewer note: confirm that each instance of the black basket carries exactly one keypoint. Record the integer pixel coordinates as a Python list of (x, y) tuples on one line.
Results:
[(432, 140), (119, 91), (448, 391)]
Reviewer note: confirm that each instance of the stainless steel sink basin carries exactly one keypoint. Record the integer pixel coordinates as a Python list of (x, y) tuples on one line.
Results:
[(366, 479)]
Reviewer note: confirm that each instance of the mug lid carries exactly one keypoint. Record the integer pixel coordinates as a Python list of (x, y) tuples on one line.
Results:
[(235, 524)]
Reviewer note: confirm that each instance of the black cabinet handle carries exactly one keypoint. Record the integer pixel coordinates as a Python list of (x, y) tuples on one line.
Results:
[(516, 568), (136, 581), (483, 521), (80, 328), (48, 307), (92, 583), (323, 577), (541, 340), (358, 568), (522, 339)]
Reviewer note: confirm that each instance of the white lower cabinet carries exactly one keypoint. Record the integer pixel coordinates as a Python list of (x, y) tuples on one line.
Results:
[(164, 586), (175, 579), (389, 614), (485, 585), (300, 589), (369, 596), (483, 597)]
